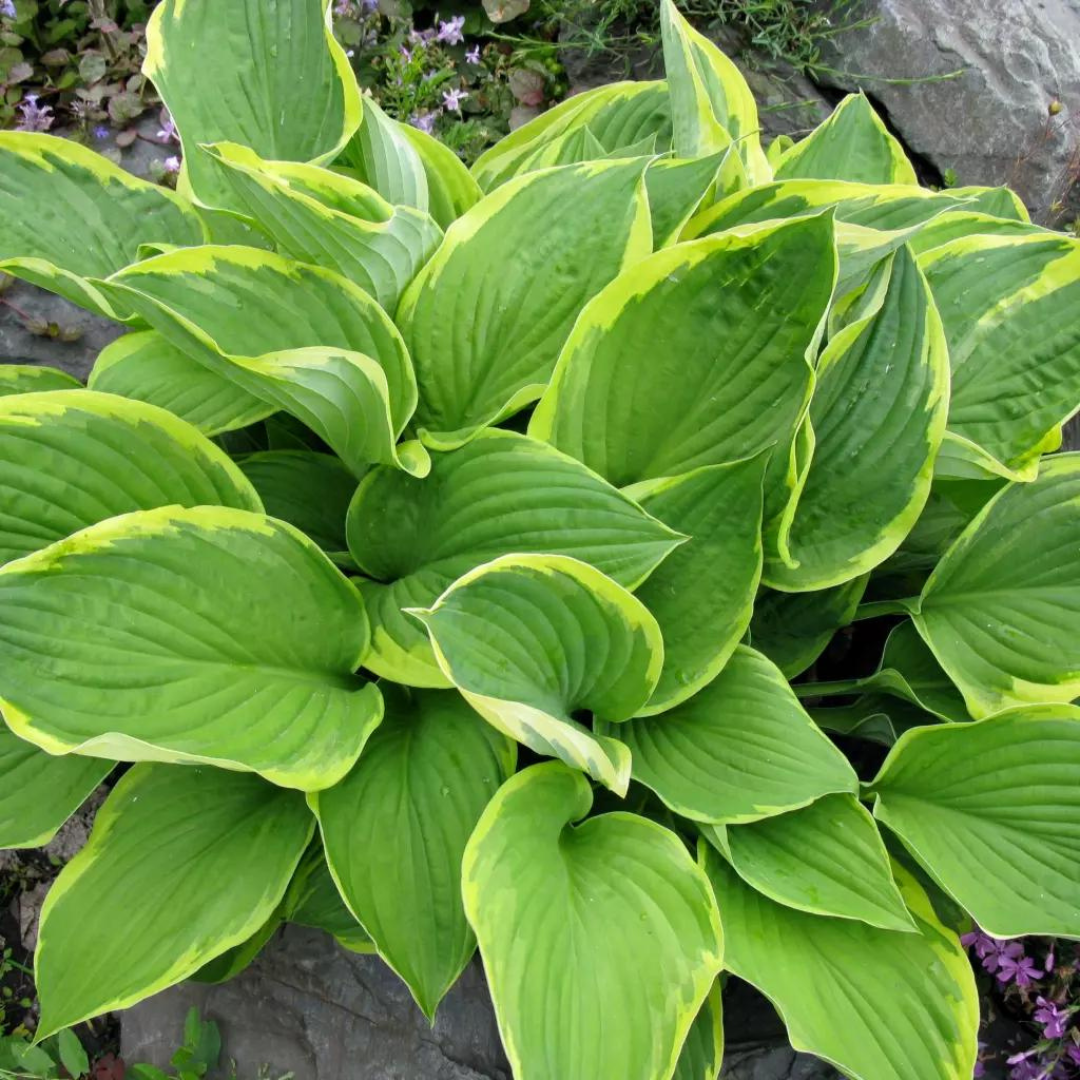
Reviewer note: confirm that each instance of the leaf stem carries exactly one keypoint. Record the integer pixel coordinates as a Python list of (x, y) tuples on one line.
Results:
[(885, 607)]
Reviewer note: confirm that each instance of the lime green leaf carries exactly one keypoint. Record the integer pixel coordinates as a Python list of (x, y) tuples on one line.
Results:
[(794, 629), (702, 594), (68, 214), (703, 1052), (1001, 202), (676, 187), (207, 60), (71, 460), (1001, 611), (209, 635), (878, 416), (826, 858), (313, 900), (451, 187), (529, 640), (395, 831), (600, 941), (145, 366), (38, 793), (741, 749), (485, 319), (237, 959), (307, 489), (711, 105), (502, 493), (382, 155), (887, 207), (30, 378), (955, 224), (992, 811), (852, 144), (739, 317), (301, 338), (321, 217), (879, 1004), (182, 865), (1011, 309)]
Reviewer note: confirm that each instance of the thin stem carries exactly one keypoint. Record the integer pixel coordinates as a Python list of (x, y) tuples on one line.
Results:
[(885, 607), (839, 687)]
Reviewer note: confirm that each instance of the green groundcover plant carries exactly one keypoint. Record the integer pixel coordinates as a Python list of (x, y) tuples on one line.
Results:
[(441, 546)]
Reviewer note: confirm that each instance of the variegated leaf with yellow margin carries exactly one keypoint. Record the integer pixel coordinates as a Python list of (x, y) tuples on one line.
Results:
[(703, 1052), (68, 215), (1011, 310), (134, 913), (1001, 611), (878, 417), (878, 1004), (992, 811), (317, 216), (601, 940), (32, 378), (852, 144), (499, 494), (266, 73), (451, 187), (486, 317), (301, 338), (206, 635), (531, 640)]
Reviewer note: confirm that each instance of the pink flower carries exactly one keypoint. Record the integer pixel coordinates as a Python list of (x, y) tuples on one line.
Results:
[(172, 164)]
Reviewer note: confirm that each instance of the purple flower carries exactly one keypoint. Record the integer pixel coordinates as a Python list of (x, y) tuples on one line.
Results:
[(1054, 1019), (424, 122), (369, 7), (1018, 969), (979, 1070), (7, 9), (101, 132), (342, 8), (172, 164), (993, 952), (1072, 1052), (450, 32), (452, 99), (34, 117), (167, 131), (405, 54), (472, 56), (1048, 963)]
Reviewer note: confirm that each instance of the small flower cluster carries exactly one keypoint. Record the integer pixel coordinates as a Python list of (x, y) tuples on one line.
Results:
[(1043, 993), (32, 116)]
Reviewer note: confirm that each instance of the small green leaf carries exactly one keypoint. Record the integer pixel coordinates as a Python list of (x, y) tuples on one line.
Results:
[(30, 378), (72, 1055), (183, 863), (600, 941)]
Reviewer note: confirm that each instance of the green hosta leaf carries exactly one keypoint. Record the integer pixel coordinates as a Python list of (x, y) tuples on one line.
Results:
[(702, 594), (209, 635), (676, 188), (395, 831), (879, 1004), (600, 941), (529, 640), (826, 858), (741, 749), (703, 1052), (146, 366), (451, 187), (955, 224), (308, 342), (852, 144), (886, 207), (878, 416), (71, 460), (992, 810), (739, 316), (1001, 202), (1002, 610), (68, 214), (313, 900), (309, 490), (1011, 309), (618, 116), (382, 155), (238, 958), (267, 75), (502, 493), (38, 793), (794, 629), (321, 217), (485, 319), (183, 864), (30, 378), (711, 105)]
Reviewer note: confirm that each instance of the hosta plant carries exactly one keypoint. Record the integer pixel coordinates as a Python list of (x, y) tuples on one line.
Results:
[(643, 557)]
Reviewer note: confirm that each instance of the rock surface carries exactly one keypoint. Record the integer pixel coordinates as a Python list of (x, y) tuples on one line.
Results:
[(309, 1007), (991, 124)]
